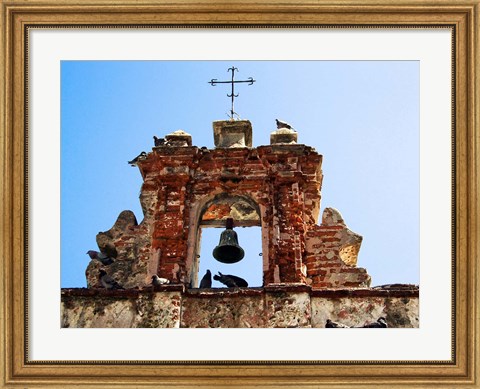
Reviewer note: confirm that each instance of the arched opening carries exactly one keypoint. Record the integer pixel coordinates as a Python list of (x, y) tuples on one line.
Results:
[(249, 268), (247, 224)]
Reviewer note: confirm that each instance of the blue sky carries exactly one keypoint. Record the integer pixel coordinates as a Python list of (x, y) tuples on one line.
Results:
[(362, 116)]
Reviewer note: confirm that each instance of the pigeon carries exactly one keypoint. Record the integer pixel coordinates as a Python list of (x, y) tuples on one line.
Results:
[(101, 257), (158, 141), (108, 282), (239, 281), (139, 157), (230, 281), (281, 124), (157, 281), (380, 323), (206, 281), (332, 324)]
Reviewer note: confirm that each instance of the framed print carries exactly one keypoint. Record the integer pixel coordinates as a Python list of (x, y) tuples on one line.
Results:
[(222, 258)]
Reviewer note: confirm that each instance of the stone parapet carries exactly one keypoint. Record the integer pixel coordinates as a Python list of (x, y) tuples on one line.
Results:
[(276, 306)]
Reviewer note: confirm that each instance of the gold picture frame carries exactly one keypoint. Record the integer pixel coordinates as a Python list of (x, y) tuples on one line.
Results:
[(18, 371)]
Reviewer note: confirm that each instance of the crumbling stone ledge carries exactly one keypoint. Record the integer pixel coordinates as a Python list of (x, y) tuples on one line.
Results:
[(273, 306)]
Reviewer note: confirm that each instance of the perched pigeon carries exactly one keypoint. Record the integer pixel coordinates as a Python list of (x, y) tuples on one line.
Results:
[(230, 281), (157, 281), (332, 324), (380, 323), (158, 141), (227, 281), (281, 124), (239, 281), (101, 257), (108, 282), (206, 281), (139, 157)]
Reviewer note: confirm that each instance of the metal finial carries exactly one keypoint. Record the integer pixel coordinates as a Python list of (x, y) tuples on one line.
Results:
[(214, 82)]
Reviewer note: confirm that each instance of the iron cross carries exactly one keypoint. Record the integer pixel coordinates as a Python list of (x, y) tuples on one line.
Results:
[(214, 82)]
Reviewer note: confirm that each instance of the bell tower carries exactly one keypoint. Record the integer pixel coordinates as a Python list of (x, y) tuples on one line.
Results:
[(276, 187)]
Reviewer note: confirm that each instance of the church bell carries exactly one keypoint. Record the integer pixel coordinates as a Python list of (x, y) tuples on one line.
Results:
[(228, 249)]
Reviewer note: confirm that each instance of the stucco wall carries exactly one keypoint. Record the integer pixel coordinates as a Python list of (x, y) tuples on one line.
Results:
[(279, 306)]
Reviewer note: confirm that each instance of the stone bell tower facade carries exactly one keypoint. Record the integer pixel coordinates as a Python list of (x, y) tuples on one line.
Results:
[(310, 273), (276, 187)]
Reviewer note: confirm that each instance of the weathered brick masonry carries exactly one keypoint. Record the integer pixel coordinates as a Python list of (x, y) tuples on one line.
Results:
[(276, 187)]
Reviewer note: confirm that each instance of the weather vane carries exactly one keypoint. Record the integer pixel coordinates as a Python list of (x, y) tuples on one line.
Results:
[(214, 82)]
